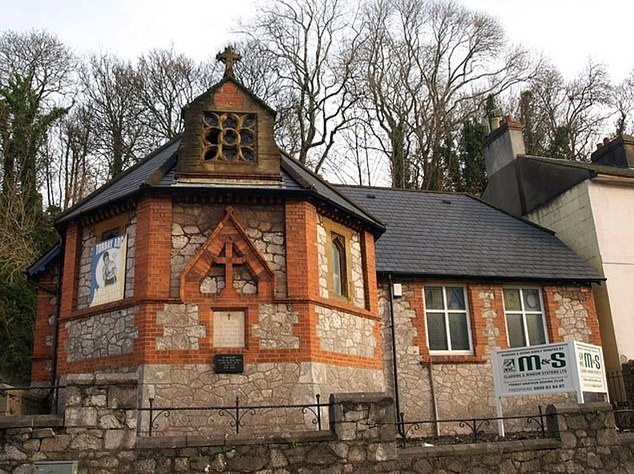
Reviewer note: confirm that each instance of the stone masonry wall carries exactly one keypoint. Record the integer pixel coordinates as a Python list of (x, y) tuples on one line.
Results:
[(345, 333), (88, 242), (181, 327), (275, 329), (264, 383), (103, 335), (193, 223), (582, 438)]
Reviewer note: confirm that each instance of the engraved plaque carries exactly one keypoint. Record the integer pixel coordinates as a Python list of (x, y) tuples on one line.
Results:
[(228, 328), (228, 363)]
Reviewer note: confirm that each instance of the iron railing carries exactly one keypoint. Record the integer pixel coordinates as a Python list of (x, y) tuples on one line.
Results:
[(468, 430), (623, 415), (235, 414)]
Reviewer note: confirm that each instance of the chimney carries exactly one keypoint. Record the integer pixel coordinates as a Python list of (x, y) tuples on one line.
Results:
[(503, 145), (618, 152)]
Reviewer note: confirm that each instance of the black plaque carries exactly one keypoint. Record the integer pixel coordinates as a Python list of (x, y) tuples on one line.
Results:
[(228, 363)]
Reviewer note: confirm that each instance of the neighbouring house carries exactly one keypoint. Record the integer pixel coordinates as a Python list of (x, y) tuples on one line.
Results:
[(590, 207), (220, 267)]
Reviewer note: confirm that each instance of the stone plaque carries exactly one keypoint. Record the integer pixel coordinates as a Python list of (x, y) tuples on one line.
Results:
[(228, 328), (228, 364)]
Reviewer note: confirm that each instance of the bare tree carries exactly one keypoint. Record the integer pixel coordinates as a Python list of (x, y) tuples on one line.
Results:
[(313, 45), (427, 64), (565, 118), (109, 86), (166, 82), (623, 102)]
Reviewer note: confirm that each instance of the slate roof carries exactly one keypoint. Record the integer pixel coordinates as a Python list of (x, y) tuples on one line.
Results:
[(459, 236), (157, 170), (435, 234)]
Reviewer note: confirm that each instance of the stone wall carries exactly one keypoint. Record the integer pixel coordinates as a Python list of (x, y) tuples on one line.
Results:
[(88, 241), (197, 385), (102, 335), (582, 438), (181, 327), (275, 329), (99, 432), (192, 225), (345, 333)]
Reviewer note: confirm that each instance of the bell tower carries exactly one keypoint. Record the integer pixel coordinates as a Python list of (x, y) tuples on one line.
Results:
[(228, 137)]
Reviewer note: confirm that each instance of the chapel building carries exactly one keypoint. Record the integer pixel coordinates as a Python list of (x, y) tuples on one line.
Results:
[(219, 267)]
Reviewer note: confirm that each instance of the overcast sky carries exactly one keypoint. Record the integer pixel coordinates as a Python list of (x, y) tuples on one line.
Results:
[(569, 32)]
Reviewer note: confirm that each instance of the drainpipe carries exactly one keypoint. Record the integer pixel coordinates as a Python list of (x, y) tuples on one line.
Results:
[(434, 405), (399, 418), (58, 302)]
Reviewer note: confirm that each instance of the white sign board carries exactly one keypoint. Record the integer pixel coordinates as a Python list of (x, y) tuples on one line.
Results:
[(562, 367), (590, 368)]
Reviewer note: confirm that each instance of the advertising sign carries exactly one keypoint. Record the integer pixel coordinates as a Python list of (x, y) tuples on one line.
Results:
[(533, 370), (590, 367), (107, 281), (564, 367)]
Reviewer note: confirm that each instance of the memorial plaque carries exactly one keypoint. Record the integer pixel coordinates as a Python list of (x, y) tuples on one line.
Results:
[(228, 363), (228, 328)]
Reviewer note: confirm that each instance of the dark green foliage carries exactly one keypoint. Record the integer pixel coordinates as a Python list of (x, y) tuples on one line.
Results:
[(17, 314), (466, 170)]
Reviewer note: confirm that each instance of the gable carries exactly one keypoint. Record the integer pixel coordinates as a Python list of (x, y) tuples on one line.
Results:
[(227, 254), (228, 138)]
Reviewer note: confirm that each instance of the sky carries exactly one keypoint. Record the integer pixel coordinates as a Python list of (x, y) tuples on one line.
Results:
[(568, 32)]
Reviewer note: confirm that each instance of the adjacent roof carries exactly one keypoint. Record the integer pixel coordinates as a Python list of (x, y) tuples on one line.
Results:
[(593, 169), (459, 236)]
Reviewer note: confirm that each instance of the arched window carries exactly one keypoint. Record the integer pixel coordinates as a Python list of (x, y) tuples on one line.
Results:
[(339, 265)]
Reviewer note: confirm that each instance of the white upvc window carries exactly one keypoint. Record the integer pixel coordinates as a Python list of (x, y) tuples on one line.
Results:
[(447, 320), (525, 319)]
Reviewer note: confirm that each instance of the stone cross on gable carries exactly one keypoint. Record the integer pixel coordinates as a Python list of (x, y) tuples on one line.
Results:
[(229, 57), (229, 260)]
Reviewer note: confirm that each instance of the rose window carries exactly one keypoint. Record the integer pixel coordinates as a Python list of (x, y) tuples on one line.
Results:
[(230, 137)]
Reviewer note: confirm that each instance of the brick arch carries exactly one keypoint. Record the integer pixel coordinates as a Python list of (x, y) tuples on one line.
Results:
[(228, 245)]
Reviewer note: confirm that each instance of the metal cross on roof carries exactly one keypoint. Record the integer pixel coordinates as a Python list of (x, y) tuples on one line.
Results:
[(229, 57)]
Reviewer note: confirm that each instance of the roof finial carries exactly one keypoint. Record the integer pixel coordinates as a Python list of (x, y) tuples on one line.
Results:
[(229, 57)]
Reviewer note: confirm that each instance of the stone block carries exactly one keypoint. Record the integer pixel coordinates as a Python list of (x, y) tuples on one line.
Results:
[(12, 453), (59, 443), (86, 441), (119, 439), (86, 416), (122, 397), (357, 454)]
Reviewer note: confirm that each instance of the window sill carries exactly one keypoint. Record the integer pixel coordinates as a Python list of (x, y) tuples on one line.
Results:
[(455, 359)]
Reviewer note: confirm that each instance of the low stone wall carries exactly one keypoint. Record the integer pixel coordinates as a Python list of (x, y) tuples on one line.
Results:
[(99, 431), (582, 438)]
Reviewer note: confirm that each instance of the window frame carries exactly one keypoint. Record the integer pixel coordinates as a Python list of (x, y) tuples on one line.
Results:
[(446, 311), (523, 313), (334, 232), (338, 242)]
